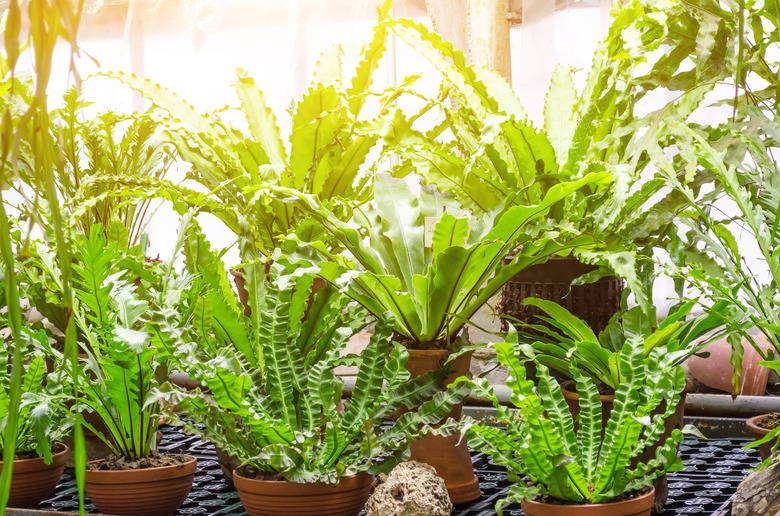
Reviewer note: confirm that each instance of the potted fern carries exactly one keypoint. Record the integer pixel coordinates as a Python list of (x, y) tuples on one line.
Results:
[(270, 397), (39, 457), (118, 372), (432, 286), (559, 471), (569, 346)]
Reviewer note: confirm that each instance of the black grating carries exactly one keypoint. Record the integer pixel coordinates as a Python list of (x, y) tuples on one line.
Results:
[(713, 470)]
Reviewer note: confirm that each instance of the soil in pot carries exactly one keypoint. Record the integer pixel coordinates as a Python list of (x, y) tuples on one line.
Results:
[(629, 504), (761, 425), (447, 455), (33, 480), (268, 497), (154, 487)]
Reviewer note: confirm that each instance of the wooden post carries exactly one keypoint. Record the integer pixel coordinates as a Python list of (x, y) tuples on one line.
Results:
[(480, 28)]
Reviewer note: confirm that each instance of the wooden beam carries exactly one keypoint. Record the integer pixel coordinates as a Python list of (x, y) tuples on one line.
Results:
[(480, 28)]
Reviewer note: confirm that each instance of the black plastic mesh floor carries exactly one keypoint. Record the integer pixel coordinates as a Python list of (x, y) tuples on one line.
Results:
[(713, 470)]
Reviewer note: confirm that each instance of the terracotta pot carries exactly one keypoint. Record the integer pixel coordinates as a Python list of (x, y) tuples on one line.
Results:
[(276, 497), (675, 421), (33, 480), (227, 463), (715, 371), (640, 506), (243, 295), (759, 432), (595, 303), (451, 459), (94, 446), (151, 492)]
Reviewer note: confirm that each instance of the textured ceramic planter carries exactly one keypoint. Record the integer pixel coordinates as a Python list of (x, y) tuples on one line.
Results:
[(277, 497), (33, 480), (640, 506), (595, 303), (759, 432), (151, 491), (450, 458)]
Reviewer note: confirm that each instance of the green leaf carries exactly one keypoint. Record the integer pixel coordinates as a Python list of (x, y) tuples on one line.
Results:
[(262, 121), (449, 232), (559, 111), (574, 327)]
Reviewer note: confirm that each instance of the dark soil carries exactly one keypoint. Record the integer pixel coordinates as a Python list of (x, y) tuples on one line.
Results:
[(623, 497), (770, 421), (32, 454), (253, 473), (113, 463), (413, 344)]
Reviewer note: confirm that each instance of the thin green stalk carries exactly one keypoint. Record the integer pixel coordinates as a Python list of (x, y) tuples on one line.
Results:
[(15, 395)]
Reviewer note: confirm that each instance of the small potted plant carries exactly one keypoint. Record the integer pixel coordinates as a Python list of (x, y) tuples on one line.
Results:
[(561, 472), (43, 422), (117, 378), (568, 345), (433, 285), (271, 398)]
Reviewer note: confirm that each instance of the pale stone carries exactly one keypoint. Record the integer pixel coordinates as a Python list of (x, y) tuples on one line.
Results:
[(411, 489)]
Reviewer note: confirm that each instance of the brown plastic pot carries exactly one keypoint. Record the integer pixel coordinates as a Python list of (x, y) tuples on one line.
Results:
[(276, 497), (595, 303), (151, 491), (759, 432), (32, 480), (675, 421), (450, 457), (640, 506)]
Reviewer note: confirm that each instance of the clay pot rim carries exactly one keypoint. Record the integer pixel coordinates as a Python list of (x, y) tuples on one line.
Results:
[(345, 483), (645, 499), (752, 425), (145, 474), (573, 395), (32, 463)]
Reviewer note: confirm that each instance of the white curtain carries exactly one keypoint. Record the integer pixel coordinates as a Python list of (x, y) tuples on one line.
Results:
[(552, 32)]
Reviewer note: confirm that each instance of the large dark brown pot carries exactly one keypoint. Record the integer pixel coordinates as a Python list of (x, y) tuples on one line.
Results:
[(640, 506), (277, 497), (94, 446), (759, 432), (227, 463), (450, 458), (673, 422), (151, 491), (595, 303), (33, 480)]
